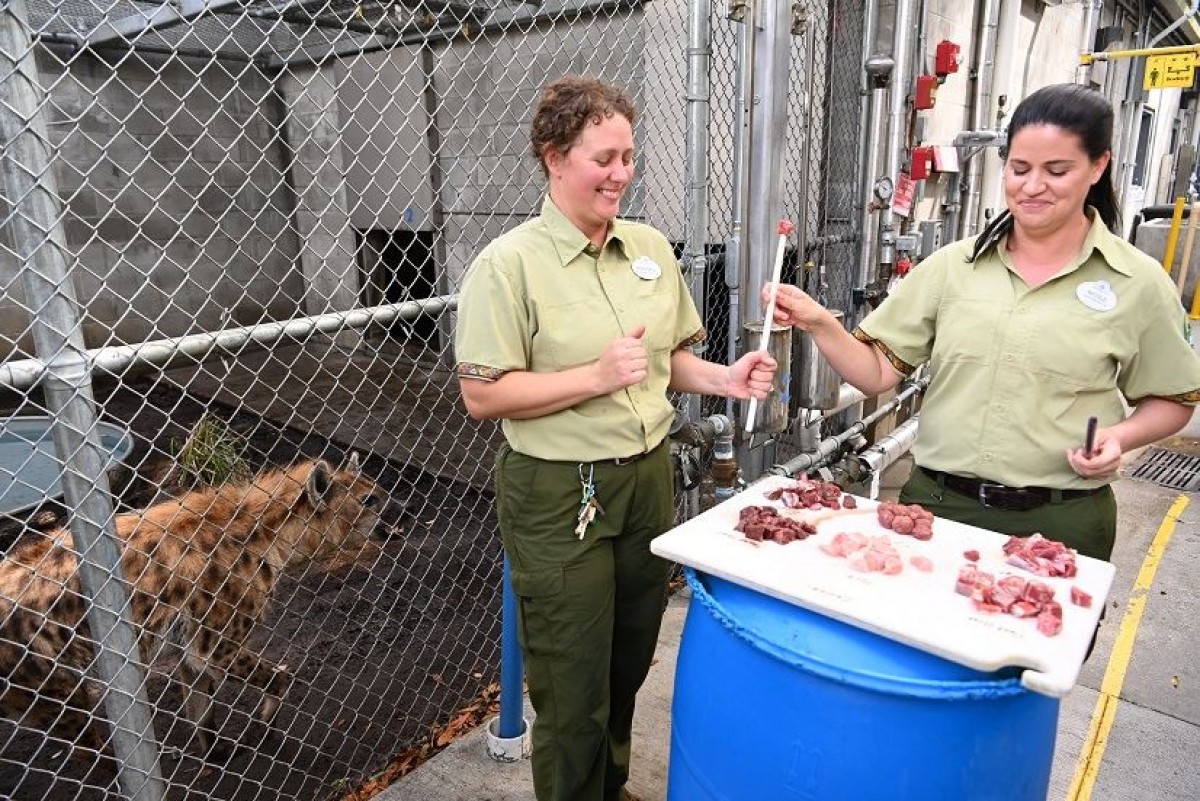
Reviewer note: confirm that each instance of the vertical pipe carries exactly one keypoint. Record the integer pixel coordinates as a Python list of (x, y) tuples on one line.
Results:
[(878, 70), (696, 189), (736, 255), (1087, 38), (1132, 108), (898, 111), (771, 66), (1008, 58), (988, 22), (40, 243), (512, 665), (437, 210), (806, 173), (868, 159)]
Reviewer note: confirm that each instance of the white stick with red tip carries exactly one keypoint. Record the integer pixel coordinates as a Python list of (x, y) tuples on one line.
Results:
[(785, 228)]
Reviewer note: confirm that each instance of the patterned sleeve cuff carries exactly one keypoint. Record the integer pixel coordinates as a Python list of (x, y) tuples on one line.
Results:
[(1187, 398), (694, 339), (901, 366), (479, 371)]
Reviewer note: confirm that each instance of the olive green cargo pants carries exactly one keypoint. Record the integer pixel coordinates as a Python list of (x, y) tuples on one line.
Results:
[(1087, 524), (588, 610)]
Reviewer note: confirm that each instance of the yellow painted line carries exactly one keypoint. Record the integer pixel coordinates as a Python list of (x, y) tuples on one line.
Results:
[(1105, 713)]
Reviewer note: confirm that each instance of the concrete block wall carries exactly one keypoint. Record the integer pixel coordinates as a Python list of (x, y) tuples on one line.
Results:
[(173, 204)]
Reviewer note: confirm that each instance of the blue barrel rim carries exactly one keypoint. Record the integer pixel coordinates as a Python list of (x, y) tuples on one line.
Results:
[(938, 690)]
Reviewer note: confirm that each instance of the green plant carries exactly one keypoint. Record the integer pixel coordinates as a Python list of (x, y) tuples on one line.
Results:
[(210, 455)]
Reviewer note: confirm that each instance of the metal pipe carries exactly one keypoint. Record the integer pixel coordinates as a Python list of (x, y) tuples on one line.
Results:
[(1187, 15), (981, 107), (1132, 105), (806, 173), (829, 447), (736, 255), (771, 66), (23, 374), (848, 396), (866, 171), (1091, 23), (696, 187), (771, 71), (874, 190), (888, 450), (898, 113), (39, 240), (1007, 56), (437, 184)]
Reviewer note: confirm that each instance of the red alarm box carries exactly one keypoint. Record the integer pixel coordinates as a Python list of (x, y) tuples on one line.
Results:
[(945, 58), (922, 163), (926, 94)]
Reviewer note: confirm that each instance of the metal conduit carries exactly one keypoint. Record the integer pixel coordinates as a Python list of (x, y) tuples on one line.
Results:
[(696, 183), (23, 374), (828, 448)]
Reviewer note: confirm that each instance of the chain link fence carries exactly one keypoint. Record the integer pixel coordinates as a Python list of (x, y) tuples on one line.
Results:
[(230, 238)]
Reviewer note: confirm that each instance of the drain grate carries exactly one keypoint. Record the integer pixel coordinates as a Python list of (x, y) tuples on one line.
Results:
[(1169, 469)]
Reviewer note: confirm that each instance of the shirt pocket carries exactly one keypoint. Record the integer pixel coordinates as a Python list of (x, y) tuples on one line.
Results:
[(655, 306), (1074, 346), (576, 332), (966, 331)]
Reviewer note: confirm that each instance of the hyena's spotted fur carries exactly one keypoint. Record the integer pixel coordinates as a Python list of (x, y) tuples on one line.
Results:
[(201, 570)]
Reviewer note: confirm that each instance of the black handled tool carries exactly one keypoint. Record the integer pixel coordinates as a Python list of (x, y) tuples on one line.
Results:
[(1090, 440)]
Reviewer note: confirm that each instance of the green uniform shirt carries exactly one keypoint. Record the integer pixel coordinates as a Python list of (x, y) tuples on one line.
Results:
[(1016, 372), (543, 298)]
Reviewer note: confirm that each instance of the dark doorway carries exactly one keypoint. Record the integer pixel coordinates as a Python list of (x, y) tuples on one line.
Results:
[(396, 267)]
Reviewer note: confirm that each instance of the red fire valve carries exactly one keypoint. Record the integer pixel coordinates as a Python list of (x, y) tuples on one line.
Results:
[(926, 94), (922, 163), (946, 58), (903, 265)]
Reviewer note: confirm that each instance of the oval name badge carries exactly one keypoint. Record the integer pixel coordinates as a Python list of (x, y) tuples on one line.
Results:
[(646, 268), (1097, 295)]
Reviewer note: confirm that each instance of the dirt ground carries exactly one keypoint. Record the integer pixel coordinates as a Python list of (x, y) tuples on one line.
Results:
[(382, 648)]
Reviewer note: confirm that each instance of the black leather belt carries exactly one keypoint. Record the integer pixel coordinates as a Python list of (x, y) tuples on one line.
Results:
[(998, 496), (621, 461)]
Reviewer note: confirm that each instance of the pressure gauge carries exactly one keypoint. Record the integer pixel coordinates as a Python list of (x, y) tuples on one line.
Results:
[(883, 188)]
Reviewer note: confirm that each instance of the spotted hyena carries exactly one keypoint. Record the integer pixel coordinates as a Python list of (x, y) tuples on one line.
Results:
[(200, 568)]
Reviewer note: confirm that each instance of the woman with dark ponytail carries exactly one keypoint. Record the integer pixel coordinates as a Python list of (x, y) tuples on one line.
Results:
[(1046, 319)]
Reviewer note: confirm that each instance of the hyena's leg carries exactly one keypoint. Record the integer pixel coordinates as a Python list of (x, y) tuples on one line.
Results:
[(198, 702), (56, 700), (225, 652)]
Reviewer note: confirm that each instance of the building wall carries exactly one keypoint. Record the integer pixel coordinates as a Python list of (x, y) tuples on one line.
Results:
[(172, 200)]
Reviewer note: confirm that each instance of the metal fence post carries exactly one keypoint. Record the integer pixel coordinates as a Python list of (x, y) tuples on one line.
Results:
[(38, 238)]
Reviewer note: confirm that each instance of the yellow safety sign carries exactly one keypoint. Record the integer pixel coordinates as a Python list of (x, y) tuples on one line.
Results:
[(1174, 71)]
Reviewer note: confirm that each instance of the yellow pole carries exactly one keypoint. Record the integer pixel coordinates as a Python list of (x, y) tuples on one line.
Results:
[(1188, 242), (1195, 313), (1173, 235)]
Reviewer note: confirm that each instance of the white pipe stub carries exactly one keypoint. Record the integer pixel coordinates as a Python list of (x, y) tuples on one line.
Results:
[(508, 749)]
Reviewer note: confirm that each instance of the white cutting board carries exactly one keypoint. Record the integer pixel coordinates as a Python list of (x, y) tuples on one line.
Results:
[(916, 608)]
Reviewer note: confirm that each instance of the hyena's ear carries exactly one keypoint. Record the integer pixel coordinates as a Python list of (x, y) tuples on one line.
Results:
[(353, 465), (317, 487)]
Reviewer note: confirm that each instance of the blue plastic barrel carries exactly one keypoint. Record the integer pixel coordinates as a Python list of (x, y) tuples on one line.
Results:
[(774, 702)]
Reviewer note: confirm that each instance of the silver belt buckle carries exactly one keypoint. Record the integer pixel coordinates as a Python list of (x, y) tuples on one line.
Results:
[(983, 488)]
